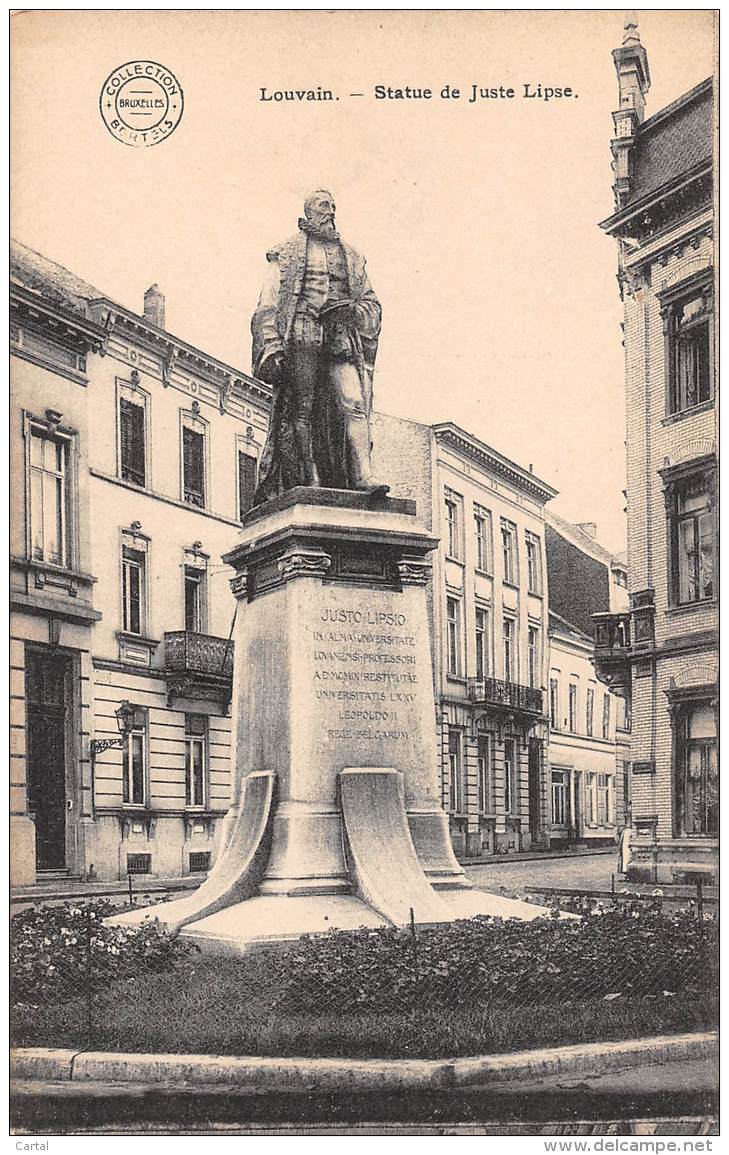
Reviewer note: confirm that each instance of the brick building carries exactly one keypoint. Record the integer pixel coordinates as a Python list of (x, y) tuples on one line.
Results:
[(663, 654)]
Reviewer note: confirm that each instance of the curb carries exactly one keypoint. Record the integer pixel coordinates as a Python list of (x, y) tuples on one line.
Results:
[(295, 1075)]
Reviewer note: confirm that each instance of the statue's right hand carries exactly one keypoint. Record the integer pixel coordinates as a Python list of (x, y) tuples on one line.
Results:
[(271, 370)]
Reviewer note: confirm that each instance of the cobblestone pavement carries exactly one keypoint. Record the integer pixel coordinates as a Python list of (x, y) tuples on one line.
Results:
[(591, 871)]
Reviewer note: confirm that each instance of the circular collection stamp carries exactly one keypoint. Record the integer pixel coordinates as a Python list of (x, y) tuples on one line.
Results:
[(141, 103)]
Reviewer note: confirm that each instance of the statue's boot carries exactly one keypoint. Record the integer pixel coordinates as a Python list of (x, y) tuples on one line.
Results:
[(306, 453), (360, 469)]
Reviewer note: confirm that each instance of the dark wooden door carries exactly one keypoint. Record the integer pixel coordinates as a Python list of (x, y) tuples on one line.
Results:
[(46, 683), (535, 776)]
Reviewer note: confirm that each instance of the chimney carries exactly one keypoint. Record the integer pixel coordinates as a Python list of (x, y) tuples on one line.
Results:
[(634, 81), (589, 528), (154, 306)]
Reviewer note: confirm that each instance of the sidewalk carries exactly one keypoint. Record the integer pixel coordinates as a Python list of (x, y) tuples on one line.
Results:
[(534, 855)]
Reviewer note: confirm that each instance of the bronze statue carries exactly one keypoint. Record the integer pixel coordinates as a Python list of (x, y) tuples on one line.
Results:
[(315, 334)]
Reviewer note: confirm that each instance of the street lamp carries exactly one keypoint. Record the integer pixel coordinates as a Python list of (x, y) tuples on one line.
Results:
[(125, 721)]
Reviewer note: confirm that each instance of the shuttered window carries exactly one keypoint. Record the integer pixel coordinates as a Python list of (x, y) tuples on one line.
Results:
[(193, 466), (131, 437), (246, 481)]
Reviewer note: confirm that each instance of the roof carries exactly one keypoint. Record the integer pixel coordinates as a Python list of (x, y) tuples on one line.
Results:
[(672, 141), (579, 538), (35, 274), (557, 622), (49, 280), (493, 461)]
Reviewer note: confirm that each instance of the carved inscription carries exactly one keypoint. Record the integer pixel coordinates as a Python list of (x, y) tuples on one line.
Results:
[(365, 667)]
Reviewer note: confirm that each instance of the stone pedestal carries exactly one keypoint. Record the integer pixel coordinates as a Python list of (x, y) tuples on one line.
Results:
[(336, 819)]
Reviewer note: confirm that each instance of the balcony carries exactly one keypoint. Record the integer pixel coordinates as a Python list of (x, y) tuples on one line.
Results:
[(508, 696), (612, 647), (198, 666)]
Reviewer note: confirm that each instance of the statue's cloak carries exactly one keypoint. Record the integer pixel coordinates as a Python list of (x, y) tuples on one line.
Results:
[(272, 323)]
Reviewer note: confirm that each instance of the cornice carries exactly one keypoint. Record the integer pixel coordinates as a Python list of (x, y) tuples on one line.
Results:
[(616, 223), (63, 326), (492, 461), (177, 352)]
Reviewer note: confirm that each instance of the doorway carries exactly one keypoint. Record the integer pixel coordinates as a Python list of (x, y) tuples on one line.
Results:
[(535, 782), (48, 683)]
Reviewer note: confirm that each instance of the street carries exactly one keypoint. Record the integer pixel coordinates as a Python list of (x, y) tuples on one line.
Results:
[(588, 871)]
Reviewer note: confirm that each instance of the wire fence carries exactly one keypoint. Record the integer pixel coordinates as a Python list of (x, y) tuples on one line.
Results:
[(70, 960)]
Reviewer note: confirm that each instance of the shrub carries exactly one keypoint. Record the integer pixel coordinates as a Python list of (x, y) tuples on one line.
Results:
[(58, 953), (484, 961)]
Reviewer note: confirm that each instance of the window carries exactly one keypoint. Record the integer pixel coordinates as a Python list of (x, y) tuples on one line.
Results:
[(195, 759), (534, 564), (49, 497), (484, 541), (509, 551), (455, 783), (482, 642), (554, 703), (511, 801), (454, 636), (134, 761), (195, 582), (605, 799), (572, 717), (533, 657), (132, 438), (559, 798), (193, 463), (589, 710), (606, 716), (696, 769), (591, 798), (691, 533), (486, 803), (624, 721), (688, 323), (133, 590), (453, 523), (508, 649), (247, 466)]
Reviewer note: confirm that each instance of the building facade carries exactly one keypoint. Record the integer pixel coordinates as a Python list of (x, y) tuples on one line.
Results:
[(133, 458), (490, 616), (589, 726), (663, 654)]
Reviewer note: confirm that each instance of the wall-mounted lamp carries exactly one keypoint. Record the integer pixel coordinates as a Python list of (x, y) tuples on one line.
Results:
[(125, 721)]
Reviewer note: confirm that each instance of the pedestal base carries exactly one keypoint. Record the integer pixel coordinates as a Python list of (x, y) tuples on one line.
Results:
[(333, 702)]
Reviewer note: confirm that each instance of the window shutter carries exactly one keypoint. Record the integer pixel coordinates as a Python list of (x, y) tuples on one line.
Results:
[(246, 481), (131, 430), (193, 448)]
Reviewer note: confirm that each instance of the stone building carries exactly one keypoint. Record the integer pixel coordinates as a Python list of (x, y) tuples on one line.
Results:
[(489, 622), (133, 456), (589, 726), (663, 654)]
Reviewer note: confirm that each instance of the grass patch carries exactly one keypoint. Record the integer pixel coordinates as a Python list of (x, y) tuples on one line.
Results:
[(224, 1007)]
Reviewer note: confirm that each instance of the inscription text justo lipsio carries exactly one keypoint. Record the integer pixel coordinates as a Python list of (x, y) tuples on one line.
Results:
[(364, 674)]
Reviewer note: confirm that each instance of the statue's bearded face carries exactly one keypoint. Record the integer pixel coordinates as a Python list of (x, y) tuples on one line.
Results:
[(319, 210)]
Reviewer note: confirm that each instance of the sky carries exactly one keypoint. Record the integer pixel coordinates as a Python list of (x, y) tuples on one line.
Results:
[(478, 219)]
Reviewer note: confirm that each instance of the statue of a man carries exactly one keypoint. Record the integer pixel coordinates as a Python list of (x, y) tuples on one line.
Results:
[(315, 334)]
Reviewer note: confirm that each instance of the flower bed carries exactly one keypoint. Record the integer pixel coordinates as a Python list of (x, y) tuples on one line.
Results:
[(480, 985)]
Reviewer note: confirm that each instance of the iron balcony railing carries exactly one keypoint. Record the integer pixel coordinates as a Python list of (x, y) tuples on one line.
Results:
[(508, 695), (198, 653)]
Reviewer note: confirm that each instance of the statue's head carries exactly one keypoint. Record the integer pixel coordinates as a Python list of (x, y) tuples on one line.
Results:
[(319, 209)]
